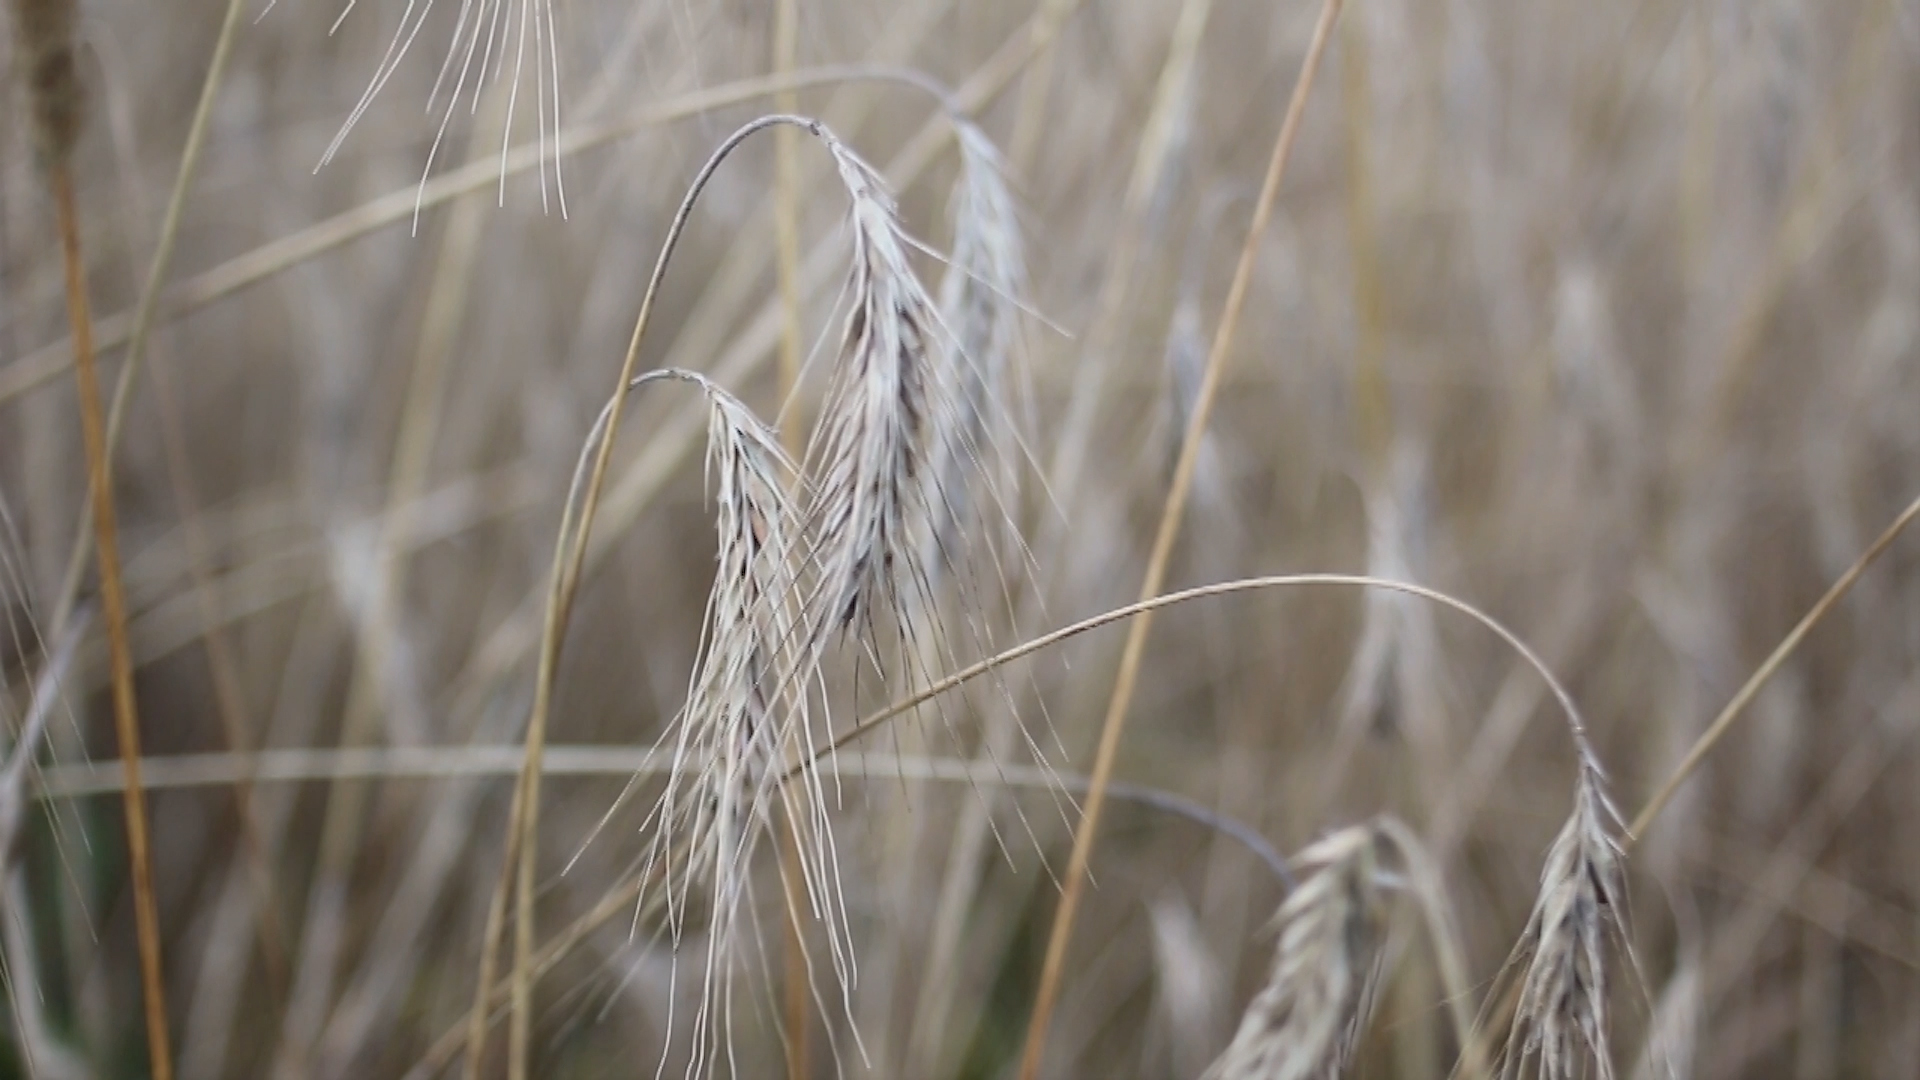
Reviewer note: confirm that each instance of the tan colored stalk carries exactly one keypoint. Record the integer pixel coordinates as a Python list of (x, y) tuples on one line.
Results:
[(1372, 414), (113, 601), (44, 35), (570, 556), (1115, 721), (223, 669), (1414, 1041), (786, 228), (156, 274), (1152, 169), (1745, 695), (1149, 175)]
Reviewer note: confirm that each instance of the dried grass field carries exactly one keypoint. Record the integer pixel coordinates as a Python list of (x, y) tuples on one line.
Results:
[(900, 538)]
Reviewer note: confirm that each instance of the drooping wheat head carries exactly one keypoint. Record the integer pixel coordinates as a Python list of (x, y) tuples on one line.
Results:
[(1561, 1021), (1303, 1024), (979, 471), (746, 703), (895, 406), (839, 546)]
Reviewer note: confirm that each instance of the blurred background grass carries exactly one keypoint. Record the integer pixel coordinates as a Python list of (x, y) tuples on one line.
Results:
[(1602, 317)]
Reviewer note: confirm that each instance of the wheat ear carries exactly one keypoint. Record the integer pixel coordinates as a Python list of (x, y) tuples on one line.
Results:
[(1561, 1020), (1303, 1023)]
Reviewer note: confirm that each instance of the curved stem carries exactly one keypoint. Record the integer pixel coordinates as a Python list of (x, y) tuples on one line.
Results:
[(616, 902), (521, 819), (563, 582), (1575, 725)]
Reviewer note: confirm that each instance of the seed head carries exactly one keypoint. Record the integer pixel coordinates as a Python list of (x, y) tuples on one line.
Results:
[(1562, 1016), (893, 404), (1303, 1024), (44, 38)]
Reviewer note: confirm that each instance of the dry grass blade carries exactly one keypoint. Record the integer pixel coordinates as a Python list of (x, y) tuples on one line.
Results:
[(1745, 695), (1122, 699), (143, 314), (114, 606), (786, 226), (45, 30), (1303, 1024), (113, 602)]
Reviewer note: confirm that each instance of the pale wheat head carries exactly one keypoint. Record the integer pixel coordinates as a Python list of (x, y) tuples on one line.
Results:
[(895, 410), (1561, 1022), (1302, 1025), (746, 703), (979, 472)]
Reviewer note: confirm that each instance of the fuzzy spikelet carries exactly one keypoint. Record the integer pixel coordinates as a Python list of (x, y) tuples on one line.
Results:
[(1562, 1018), (979, 304), (893, 404), (1303, 1024), (43, 36), (746, 704)]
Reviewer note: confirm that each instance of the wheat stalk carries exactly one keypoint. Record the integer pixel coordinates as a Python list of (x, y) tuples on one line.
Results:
[(44, 32), (1171, 513)]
